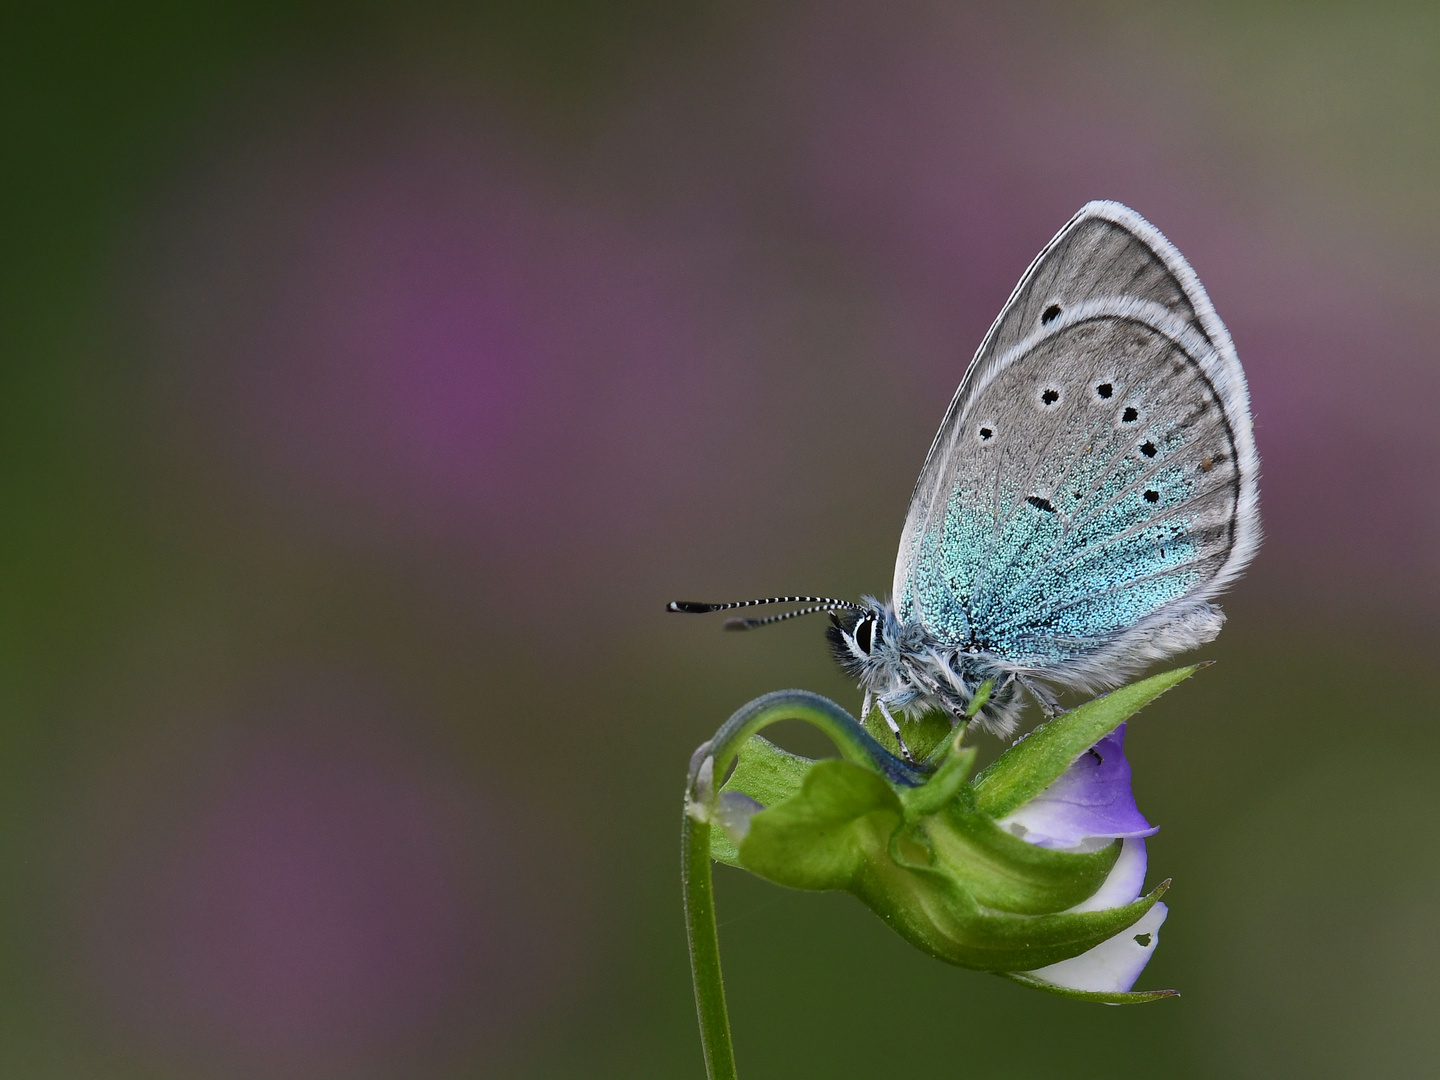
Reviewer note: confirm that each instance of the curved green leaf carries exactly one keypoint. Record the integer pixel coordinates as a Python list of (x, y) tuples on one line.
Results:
[(1134, 997)]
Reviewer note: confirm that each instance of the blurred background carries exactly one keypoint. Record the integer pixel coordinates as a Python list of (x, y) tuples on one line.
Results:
[(371, 374)]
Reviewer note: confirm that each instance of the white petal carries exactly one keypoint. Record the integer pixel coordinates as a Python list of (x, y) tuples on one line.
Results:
[(1112, 966), (733, 811), (1126, 879)]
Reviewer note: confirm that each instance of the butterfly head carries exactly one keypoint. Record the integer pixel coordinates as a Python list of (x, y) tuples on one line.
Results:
[(863, 638)]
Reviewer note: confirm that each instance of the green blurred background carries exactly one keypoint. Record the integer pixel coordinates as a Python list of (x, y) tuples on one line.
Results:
[(371, 374)]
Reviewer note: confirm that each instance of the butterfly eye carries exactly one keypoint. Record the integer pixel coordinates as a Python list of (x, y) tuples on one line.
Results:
[(865, 635)]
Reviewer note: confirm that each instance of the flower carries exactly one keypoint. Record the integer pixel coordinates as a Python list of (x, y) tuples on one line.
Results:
[(1033, 869), (1088, 805)]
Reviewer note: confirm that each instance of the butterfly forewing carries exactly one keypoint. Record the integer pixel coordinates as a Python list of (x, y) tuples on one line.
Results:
[(1106, 251), (1094, 476)]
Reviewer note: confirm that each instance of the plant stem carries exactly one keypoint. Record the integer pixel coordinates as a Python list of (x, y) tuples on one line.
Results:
[(712, 761), (705, 950)]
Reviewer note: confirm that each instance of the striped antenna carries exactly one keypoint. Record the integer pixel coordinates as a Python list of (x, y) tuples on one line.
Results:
[(751, 624), (824, 603)]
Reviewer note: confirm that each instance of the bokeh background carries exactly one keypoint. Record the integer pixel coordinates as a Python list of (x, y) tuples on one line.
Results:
[(371, 374)]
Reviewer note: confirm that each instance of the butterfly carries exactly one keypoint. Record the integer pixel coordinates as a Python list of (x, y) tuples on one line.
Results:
[(1092, 489)]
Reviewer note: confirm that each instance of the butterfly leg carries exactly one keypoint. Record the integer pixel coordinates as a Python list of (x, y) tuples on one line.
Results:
[(1049, 704), (895, 730)]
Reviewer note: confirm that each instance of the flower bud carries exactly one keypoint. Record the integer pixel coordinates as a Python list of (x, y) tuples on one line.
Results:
[(1033, 869)]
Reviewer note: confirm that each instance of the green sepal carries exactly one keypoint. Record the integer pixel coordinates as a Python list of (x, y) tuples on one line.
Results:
[(1139, 997), (982, 695), (942, 786), (1005, 873), (936, 915), (1036, 761)]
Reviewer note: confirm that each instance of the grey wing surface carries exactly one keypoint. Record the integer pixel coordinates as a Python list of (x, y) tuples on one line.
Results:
[(1093, 484)]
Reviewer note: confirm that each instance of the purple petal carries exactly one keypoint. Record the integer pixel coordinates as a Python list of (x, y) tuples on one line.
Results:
[(1090, 800)]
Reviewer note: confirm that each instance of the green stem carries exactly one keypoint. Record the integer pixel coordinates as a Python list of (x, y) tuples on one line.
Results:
[(713, 760), (705, 950)]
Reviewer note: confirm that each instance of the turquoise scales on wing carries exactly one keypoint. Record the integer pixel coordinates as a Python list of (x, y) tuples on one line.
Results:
[(1118, 519), (1084, 592)]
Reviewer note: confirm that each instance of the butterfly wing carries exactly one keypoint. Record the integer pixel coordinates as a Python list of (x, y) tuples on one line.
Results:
[(1093, 484)]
